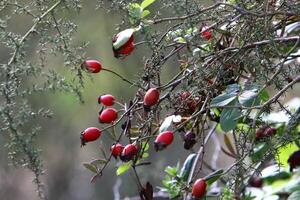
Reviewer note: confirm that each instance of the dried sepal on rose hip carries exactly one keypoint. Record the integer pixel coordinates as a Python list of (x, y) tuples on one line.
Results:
[(189, 140), (199, 188), (123, 43), (116, 149), (92, 66), (90, 134), (106, 99), (129, 153), (163, 140), (108, 115), (151, 97), (294, 160)]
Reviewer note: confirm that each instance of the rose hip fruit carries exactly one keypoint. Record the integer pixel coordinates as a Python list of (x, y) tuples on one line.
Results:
[(108, 115), (163, 140), (92, 66), (294, 160), (89, 135), (116, 149), (206, 33), (129, 152), (255, 181), (199, 188), (107, 100), (151, 97)]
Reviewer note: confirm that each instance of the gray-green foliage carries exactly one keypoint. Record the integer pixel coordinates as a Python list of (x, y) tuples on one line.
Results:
[(50, 29)]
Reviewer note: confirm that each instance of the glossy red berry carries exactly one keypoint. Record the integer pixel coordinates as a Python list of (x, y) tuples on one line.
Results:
[(260, 132), (163, 140), (92, 66), (199, 188), (116, 149), (108, 115), (107, 100), (256, 181), (265, 131), (129, 152), (89, 135), (123, 43), (206, 33), (294, 160), (151, 97)]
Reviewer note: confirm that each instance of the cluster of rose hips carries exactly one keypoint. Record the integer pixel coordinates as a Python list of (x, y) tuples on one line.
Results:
[(123, 45), (265, 131)]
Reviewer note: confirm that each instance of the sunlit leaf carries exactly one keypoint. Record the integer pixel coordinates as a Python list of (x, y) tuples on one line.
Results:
[(90, 167), (284, 154), (147, 3), (123, 168), (145, 13)]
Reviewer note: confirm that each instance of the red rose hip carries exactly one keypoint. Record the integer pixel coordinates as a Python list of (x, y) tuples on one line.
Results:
[(89, 135), (107, 100), (108, 115), (129, 152), (116, 149), (92, 66), (199, 188), (151, 97), (206, 33), (163, 140)]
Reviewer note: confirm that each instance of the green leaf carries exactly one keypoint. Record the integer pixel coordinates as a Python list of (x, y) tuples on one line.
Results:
[(187, 166), (294, 196), (90, 167), (233, 88), (145, 13), (259, 151), (172, 171), (248, 98), (99, 161), (147, 3), (264, 95), (214, 176), (285, 152), (123, 168), (229, 117), (135, 12), (223, 99)]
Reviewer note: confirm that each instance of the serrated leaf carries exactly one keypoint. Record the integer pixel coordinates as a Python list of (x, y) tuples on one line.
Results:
[(228, 118), (123, 168), (223, 99), (90, 167), (146, 3), (145, 13)]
